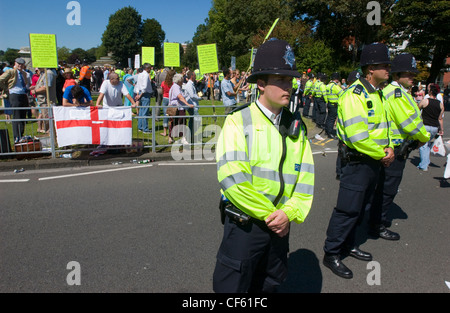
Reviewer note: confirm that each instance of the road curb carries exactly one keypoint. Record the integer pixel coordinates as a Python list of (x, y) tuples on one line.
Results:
[(107, 159)]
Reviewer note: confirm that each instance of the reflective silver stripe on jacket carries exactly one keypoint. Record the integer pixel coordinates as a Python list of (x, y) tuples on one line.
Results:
[(231, 156), (248, 129), (354, 120), (235, 179)]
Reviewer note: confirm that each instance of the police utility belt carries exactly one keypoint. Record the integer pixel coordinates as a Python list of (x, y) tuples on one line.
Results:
[(234, 214), (403, 150), (351, 155)]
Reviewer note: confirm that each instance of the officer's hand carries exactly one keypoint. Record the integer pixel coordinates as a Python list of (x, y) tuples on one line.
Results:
[(278, 222), (389, 158)]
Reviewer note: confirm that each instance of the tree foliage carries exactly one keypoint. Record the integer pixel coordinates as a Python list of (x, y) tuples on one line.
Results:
[(342, 24), (153, 36), (122, 36), (11, 55), (425, 24), (126, 34), (232, 24)]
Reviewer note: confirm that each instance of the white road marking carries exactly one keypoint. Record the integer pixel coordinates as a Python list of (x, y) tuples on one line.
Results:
[(96, 172), (324, 151), (184, 163), (14, 180)]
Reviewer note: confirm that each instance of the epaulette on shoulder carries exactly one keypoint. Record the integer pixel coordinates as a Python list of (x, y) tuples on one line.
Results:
[(398, 93), (358, 89), (239, 108)]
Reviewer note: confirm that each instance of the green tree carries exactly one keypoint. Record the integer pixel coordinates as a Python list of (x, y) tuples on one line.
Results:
[(296, 33), (202, 36), (100, 52), (122, 36), (425, 24), (232, 24), (317, 56), (79, 55), (63, 53), (343, 25), (153, 36), (11, 55)]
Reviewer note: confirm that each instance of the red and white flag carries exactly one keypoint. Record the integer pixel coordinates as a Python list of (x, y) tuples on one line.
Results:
[(93, 125)]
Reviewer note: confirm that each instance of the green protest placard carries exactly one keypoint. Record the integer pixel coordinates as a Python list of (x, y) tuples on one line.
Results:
[(171, 54), (207, 58), (43, 50), (148, 55)]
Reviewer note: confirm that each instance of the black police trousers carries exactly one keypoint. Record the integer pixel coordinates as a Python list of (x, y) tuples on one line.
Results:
[(321, 111), (331, 119), (357, 186), (387, 188), (251, 258), (307, 106)]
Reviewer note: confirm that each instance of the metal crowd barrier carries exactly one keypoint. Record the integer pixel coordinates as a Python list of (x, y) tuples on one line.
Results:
[(208, 125)]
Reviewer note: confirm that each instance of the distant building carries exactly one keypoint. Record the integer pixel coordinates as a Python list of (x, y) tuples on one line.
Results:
[(25, 53)]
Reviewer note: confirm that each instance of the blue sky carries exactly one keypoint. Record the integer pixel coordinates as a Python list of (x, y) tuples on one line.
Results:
[(179, 20)]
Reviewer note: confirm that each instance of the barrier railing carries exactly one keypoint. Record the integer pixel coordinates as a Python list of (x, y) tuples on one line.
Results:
[(35, 144)]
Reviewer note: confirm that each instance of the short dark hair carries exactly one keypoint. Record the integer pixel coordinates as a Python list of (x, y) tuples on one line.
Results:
[(77, 91), (226, 71), (434, 90)]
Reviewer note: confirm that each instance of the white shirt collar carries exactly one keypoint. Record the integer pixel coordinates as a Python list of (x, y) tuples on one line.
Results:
[(398, 85), (275, 119)]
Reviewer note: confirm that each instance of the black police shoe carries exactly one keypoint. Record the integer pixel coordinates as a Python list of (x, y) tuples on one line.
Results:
[(334, 263), (382, 232), (331, 136), (359, 254)]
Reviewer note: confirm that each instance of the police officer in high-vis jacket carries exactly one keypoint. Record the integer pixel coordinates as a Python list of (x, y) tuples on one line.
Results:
[(408, 133), (334, 91), (365, 146), (266, 173), (308, 94)]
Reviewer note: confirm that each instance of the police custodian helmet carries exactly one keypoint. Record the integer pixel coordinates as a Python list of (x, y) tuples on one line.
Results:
[(404, 62), (376, 53), (275, 57)]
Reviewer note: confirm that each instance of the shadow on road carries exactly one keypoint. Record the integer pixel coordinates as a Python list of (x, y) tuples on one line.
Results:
[(304, 274), (443, 182)]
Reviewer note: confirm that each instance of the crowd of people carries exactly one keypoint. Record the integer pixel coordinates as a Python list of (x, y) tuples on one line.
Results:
[(115, 86)]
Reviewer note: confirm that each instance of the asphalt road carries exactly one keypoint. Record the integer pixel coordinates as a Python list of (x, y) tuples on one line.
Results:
[(155, 228)]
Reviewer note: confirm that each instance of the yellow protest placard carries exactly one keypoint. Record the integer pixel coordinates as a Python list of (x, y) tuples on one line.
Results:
[(148, 55), (43, 50), (207, 58), (171, 54)]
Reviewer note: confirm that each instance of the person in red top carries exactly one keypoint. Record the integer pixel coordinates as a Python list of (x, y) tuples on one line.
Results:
[(165, 85), (34, 80), (69, 79), (85, 76)]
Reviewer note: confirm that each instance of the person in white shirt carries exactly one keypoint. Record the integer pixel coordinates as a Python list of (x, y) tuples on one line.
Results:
[(192, 98), (144, 93), (111, 92)]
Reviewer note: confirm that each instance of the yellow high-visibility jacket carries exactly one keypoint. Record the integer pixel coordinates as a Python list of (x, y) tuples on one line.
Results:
[(260, 170), (363, 123), (406, 120), (308, 87), (334, 91)]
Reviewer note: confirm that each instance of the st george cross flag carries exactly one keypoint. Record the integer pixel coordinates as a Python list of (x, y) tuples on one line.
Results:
[(93, 125)]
